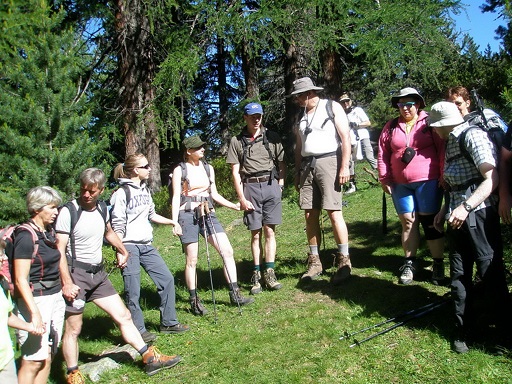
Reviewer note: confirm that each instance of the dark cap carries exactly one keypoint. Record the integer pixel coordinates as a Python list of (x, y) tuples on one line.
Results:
[(192, 142)]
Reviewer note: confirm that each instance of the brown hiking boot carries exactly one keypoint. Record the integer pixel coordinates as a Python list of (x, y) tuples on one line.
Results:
[(269, 276), (314, 267), (75, 377), (197, 307), (237, 298), (255, 281), (154, 360), (344, 267)]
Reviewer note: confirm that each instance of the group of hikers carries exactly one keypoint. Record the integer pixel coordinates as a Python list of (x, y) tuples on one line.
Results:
[(424, 159)]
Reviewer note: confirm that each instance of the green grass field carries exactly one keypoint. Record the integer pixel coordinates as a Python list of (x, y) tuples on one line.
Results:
[(292, 335)]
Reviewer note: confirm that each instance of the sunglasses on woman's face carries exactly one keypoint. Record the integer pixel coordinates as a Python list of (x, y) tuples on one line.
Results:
[(409, 104), (145, 166)]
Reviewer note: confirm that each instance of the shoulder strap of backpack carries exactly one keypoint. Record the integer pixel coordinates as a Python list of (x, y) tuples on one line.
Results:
[(127, 192), (74, 215), (330, 113), (28, 227)]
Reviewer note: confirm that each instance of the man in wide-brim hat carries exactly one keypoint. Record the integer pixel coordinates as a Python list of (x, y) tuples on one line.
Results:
[(322, 157)]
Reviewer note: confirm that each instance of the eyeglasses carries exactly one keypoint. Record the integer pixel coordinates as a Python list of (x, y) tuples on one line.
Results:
[(198, 148), (145, 166), (409, 104)]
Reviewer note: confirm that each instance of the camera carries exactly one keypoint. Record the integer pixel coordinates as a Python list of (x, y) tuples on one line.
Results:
[(408, 155)]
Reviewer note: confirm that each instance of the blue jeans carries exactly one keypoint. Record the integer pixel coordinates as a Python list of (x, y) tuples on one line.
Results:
[(147, 256)]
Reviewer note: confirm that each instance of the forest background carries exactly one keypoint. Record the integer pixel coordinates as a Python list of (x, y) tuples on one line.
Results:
[(85, 83)]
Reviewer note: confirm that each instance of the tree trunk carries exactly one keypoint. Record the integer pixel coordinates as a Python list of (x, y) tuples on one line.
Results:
[(332, 73), (223, 97), (250, 73), (136, 68), (292, 111)]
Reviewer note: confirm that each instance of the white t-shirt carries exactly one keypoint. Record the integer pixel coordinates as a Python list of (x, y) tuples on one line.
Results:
[(6, 350), (323, 138), (358, 116), (89, 232)]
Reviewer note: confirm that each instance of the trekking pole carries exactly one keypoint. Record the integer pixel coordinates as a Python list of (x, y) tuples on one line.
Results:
[(207, 210), (384, 214), (203, 214), (399, 324), (347, 335)]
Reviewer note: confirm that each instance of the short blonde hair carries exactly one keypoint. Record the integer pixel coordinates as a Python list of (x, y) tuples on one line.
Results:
[(39, 197)]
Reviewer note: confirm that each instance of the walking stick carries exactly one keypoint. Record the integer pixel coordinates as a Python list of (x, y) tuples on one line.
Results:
[(207, 211), (347, 335), (203, 214), (386, 330)]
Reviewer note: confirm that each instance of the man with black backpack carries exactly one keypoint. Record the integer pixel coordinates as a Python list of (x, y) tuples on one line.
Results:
[(81, 227), (322, 157), (473, 230), (256, 157)]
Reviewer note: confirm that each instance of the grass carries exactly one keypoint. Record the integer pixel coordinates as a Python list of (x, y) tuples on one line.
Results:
[(292, 335)]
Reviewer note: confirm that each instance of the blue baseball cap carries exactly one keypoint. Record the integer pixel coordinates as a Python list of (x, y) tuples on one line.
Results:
[(253, 108)]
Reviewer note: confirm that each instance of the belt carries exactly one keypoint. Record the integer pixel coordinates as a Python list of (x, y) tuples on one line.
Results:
[(42, 284), (89, 268), (257, 179)]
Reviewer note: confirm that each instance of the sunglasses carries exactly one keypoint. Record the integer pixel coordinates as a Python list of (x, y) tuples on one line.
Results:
[(50, 239), (145, 166), (458, 103), (409, 104)]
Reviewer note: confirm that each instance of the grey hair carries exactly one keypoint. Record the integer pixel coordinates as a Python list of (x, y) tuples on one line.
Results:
[(39, 197), (93, 176)]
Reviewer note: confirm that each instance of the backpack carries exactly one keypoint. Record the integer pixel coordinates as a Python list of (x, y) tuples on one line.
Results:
[(75, 214), (7, 234), (492, 125), (188, 199)]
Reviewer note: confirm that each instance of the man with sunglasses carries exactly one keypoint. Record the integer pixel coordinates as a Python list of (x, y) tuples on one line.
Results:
[(257, 163), (322, 157), (86, 279)]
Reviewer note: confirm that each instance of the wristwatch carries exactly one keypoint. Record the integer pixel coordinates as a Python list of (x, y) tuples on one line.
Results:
[(467, 206)]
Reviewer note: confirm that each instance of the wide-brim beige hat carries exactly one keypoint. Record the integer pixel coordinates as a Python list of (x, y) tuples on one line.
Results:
[(302, 85), (407, 92), (444, 114)]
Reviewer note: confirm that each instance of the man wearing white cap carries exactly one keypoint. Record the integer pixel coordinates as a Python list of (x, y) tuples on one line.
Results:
[(322, 157), (473, 231)]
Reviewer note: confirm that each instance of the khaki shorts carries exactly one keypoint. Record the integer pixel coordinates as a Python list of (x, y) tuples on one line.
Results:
[(321, 189), (52, 308)]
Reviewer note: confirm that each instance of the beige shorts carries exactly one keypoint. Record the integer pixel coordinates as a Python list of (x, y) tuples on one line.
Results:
[(52, 308), (321, 189)]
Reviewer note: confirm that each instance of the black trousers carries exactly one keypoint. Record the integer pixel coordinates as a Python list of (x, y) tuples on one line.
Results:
[(479, 246)]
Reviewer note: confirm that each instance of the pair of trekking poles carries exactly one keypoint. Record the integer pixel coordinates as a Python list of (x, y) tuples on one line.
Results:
[(400, 320), (203, 211)]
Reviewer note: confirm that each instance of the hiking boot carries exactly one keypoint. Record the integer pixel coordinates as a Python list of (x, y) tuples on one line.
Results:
[(269, 276), (255, 281), (437, 272), (344, 267), (75, 377), (460, 346), (314, 267), (196, 307), (154, 360), (236, 298), (351, 188), (407, 270), (148, 337), (176, 328)]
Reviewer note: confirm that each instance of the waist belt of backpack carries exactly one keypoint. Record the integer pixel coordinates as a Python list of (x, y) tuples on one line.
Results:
[(312, 159), (195, 199), (89, 268), (463, 187), (45, 284)]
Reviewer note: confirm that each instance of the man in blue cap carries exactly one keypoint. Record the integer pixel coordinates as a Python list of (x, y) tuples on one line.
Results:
[(257, 163)]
